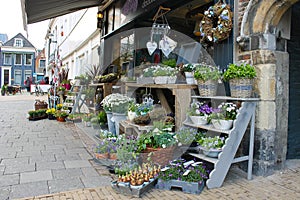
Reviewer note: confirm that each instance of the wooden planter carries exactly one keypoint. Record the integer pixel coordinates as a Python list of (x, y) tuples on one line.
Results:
[(159, 156)]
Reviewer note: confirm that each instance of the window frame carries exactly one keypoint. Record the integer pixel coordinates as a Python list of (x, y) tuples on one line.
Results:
[(4, 60), (44, 63), (18, 42), (20, 71), (28, 54), (16, 59)]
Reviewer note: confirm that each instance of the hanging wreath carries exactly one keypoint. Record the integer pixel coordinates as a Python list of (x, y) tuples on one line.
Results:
[(216, 23)]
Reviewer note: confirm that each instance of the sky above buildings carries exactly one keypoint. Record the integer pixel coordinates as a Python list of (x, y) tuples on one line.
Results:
[(11, 23)]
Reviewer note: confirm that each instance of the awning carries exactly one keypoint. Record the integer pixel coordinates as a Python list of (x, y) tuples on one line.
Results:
[(40, 10)]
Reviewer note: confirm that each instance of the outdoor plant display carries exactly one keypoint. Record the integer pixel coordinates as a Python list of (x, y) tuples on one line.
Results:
[(37, 114), (223, 116), (61, 115), (240, 78), (107, 147), (207, 77), (190, 175), (199, 112)]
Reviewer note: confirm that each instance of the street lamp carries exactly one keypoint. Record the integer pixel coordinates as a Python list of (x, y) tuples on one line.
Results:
[(100, 17)]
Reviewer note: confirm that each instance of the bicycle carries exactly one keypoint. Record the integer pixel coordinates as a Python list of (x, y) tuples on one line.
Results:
[(38, 90)]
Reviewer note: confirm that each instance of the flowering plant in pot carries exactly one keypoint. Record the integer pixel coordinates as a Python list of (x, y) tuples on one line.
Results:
[(199, 112), (51, 113), (116, 102), (190, 175), (211, 146), (223, 116), (207, 77)]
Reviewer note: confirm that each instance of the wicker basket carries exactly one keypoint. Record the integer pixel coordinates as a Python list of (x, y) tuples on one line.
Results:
[(159, 155), (40, 105), (207, 88), (241, 88)]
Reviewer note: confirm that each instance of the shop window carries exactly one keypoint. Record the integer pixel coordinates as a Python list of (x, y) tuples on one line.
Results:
[(18, 59), (27, 73), (28, 59), (7, 58), (18, 77)]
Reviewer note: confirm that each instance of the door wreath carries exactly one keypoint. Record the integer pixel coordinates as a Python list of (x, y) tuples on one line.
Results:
[(216, 23)]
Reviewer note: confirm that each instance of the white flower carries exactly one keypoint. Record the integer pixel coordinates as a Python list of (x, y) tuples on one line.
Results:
[(164, 146)]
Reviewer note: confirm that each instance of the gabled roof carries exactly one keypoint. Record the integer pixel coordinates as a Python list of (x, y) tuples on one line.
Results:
[(26, 43)]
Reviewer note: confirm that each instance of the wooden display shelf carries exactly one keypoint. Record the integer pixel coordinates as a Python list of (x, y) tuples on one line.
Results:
[(182, 93)]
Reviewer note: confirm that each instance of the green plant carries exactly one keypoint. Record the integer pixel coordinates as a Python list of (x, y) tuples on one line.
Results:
[(102, 117), (206, 72), (188, 67), (133, 106), (177, 170), (169, 62), (185, 136), (215, 142), (60, 113), (239, 71), (31, 113)]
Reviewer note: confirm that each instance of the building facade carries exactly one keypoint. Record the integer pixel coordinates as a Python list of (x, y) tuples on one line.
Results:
[(72, 43), (17, 61)]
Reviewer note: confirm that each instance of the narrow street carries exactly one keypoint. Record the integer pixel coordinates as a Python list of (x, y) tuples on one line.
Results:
[(47, 159)]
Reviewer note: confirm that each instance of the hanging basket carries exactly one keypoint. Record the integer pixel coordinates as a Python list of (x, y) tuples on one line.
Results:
[(241, 88), (208, 88), (161, 156)]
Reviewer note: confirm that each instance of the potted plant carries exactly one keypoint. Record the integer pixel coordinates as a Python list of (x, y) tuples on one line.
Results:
[(240, 78), (51, 113), (132, 110), (199, 112), (207, 77), (102, 119), (189, 175), (87, 119), (211, 146), (184, 138), (223, 116), (188, 70), (95, 122), (61, 115), (161, 74), (105, 149)]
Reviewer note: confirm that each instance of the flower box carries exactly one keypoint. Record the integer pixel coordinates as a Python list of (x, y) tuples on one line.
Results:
[(192, 187), (135, 191)]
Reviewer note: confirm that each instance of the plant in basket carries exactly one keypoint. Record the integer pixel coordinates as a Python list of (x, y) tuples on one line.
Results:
[(240, 78), (223, 116), (207, 77), (199, 112), (159, 144)]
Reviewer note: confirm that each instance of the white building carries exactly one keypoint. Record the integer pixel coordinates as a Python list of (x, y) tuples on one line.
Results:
[(73, 41)]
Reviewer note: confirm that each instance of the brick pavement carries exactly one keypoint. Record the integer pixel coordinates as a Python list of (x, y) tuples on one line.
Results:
[(32, 181)]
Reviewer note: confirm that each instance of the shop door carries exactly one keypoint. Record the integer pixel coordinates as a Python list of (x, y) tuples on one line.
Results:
[(5, 75), (293, 146)]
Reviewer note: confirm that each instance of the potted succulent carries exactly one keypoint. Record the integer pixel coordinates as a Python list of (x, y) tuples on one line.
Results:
[(199, 112), (207, 77), (240, 78), (222, 117), (211, 146)]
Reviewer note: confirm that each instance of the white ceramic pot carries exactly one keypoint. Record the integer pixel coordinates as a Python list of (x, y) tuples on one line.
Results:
[(222, 124), (189, 77), (199, 120), (131, 115)]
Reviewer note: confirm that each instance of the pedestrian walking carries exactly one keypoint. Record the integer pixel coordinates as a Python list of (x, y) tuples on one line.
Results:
[(27, 84)]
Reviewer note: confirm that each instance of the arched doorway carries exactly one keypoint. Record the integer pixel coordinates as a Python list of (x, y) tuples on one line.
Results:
[(293, 145)]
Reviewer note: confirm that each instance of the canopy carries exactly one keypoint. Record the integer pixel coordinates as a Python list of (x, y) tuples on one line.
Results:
[(40, 10)]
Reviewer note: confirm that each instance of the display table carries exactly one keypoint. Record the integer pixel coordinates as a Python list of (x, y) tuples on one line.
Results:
[(129, 128), (181, 92)]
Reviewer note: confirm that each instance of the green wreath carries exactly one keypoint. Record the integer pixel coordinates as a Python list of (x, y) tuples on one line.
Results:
[(216, 23)]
